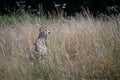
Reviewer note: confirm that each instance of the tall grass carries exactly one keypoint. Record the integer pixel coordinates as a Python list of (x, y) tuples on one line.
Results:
[(78, 48)]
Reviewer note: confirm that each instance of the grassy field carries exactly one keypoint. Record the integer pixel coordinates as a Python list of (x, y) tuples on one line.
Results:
[(80, 48)]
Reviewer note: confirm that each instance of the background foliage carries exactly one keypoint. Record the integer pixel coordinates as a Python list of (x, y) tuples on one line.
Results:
[(96, 7)]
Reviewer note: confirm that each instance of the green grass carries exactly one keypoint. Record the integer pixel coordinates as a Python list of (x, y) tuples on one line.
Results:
[(78, 48)]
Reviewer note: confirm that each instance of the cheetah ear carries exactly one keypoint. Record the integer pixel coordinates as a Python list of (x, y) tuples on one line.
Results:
[(41, 29)]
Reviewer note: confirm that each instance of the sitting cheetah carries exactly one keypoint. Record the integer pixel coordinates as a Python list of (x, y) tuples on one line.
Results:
[(39, 49)]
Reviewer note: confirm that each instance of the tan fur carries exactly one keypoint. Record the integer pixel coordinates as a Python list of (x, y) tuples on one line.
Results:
[(39, 49)]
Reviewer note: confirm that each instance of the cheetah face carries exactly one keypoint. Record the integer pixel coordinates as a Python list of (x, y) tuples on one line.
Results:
[(44, 32)]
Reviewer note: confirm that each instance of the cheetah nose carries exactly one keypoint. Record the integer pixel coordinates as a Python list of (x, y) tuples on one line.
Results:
[(49, 32)]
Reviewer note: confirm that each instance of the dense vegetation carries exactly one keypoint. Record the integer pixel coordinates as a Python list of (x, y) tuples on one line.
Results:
[(96, 7), (79, 48), (83, 47)]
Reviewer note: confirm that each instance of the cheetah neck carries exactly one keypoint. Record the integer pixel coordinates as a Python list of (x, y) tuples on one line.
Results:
[(42, 37)]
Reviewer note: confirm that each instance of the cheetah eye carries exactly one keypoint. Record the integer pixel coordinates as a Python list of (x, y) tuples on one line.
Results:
[(45, 30)]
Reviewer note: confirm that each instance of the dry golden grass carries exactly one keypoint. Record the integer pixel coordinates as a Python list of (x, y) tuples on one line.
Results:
[(78, 48)]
